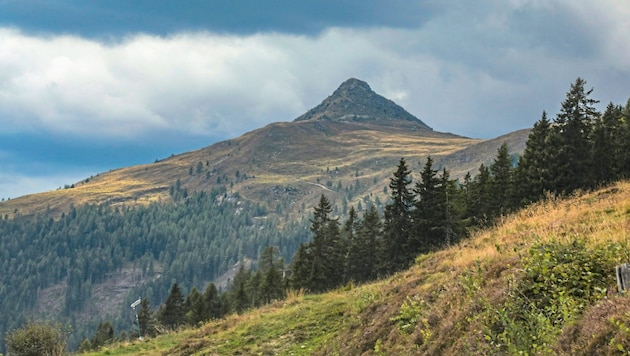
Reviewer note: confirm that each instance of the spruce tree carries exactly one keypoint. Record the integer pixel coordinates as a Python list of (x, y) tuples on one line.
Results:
[(212, 301), (533, 175), (301, 268), (171, 314), (607, 145), (104, 335), (146, 319), (397, 227), (501, 182), (270, 267), (430, 212), (196, 308), (480, 193), (570, 142), (350, 237), (326, 249)]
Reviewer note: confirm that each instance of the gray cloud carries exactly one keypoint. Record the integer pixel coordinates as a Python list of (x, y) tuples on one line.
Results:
[(477, 69)]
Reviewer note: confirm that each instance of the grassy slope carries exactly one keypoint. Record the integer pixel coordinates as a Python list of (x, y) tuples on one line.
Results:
[(284, 154), (429, 309)]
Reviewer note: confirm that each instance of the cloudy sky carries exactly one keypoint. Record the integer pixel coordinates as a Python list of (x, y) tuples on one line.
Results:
[(88, 86)]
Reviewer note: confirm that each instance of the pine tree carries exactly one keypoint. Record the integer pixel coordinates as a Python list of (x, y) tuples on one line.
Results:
[(397, 226), (368, 235), (196, 308), (480, 193), (238, 289), (300, 268), (607, 145), (326, 249), (349, 237), (270, 266), (171, 315), (430, 212), (533, 175), (501, 182), (104, 335), (145, 317), (212, 301), (570, 142)]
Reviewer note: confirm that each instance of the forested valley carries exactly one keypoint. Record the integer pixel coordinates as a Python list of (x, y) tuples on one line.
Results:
[(191, 242)]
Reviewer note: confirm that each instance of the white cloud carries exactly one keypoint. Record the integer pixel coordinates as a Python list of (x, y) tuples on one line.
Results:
[(470, 70), (14, 184)]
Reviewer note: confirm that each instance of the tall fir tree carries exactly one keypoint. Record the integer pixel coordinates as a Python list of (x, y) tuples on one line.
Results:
[(145, 318), (300, 268), (361, 258), (430, 212), (171, 315), (501, 183), (607, 145), (570, 142), (326, 250), (398, 223), (480, 195), (270, 266), (212, 301), (196, 308), (533, 175)]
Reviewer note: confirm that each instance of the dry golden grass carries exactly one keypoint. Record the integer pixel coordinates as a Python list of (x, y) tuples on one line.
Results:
[(282, 154), (449, 288)]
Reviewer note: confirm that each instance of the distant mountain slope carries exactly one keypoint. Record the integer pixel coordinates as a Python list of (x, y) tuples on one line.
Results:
[(288, 164)]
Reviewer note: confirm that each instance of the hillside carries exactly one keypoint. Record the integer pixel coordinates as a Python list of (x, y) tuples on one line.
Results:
[(541, 282), (101, 239), (288, 164)]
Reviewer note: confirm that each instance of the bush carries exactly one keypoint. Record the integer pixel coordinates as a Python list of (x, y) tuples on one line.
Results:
[(37, 339)]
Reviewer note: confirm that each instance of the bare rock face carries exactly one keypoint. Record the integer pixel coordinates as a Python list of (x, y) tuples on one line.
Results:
[(354, 100)]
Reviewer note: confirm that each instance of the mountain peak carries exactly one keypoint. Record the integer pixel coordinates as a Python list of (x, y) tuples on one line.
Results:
[(354, 100)]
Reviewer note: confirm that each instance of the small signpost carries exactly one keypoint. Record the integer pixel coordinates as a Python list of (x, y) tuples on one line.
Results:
[(133, 306), (623, 276)]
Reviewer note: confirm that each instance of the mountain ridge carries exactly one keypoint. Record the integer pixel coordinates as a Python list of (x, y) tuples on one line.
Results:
[(291, 155)]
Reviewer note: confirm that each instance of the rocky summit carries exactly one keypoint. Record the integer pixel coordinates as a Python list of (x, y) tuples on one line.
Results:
[(354, 100)]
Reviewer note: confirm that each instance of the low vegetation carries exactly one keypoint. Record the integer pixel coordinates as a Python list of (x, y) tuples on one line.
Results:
[(541, 282)]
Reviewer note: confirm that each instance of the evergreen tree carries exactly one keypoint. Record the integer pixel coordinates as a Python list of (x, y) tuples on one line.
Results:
[(171, 315), (196, 308), (212, 301), (397, 226), (300, 268), (533, 175), (349, 235), (145, 317), (361, 259), (570, 142), (104, 335), (430, 212), (501, 183), (326, 249), (480, 192), (238, 289), (270, 266), (607, 145)]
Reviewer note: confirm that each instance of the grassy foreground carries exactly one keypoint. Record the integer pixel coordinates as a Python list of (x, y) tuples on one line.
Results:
[(542, 282)]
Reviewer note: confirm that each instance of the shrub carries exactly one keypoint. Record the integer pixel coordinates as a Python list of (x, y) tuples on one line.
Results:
[(37, 339)]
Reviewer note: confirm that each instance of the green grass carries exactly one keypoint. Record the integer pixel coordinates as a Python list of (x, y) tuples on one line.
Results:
[(482, 296)]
